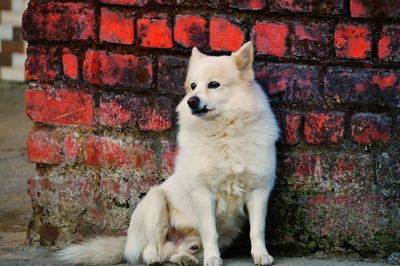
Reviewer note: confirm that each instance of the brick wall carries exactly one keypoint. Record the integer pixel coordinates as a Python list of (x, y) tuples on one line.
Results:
[(106, 76)]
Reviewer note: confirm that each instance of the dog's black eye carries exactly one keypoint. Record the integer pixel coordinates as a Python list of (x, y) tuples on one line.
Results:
[(213, 85), (193, 86), (194, 247)]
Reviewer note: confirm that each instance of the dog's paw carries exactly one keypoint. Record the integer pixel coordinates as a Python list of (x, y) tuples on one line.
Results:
[(213, 261), (263, 259), (188, 260)]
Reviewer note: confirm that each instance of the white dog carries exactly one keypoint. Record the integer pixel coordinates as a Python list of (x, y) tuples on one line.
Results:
[(226, 161)]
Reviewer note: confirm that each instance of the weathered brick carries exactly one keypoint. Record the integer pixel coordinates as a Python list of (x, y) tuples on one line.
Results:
[(59, 106), (371, 8), (116, 27), (387, 173), (154, 31), (156, 115), (311, 41), (290, 122), (324, 128), (44, 147), (119, 110), (270, 38), (171, 76), (367, 128), (290, 83), (328, 172), (372, 86), (111, 152), (299, 171), (351, 173), (126, 2), (308, 6), (70, 64), (359, 219), (225, 35), (100, 67), (42, 63), (190, 31), (71, 148), (169, 151), (55, 21), (389, 45), (397, 128), (353, 41), (248, 4)]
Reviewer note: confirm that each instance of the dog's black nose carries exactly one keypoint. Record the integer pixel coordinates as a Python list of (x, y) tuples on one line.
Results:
[(193, 102)]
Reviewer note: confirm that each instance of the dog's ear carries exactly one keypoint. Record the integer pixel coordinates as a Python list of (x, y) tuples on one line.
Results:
[(196, 54), (244, 58)]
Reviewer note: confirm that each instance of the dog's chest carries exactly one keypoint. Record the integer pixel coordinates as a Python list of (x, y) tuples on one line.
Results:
[(234, 183), (231, 194)]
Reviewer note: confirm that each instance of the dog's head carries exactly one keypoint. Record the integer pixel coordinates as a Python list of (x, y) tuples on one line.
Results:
[(212, 80)]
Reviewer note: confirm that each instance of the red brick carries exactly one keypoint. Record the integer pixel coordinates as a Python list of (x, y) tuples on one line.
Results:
[(290, 122), (224, 35), (324, 128), (372, 8), (154, 31), (248, 4), (389, 45), (307, 6), (44, 147), (55, 21), (60, 106), (156, 115), (327, 172), (353, 41), (116, 27), (171, 76), (343, 217), (352, 172), (290, 83), (367, 128), (299, 170), (311, 41), (42, 63), (373, 86), (111, 152), (71, 148), (119, 111), (190, 31), (70, 64), (270, 38), (99, 67), (169, 152), (126, 2)]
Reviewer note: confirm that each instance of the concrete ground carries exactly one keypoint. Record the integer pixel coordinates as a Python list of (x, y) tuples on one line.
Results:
[(15, 209)]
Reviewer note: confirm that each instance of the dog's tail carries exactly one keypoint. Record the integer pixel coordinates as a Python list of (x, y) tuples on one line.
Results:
[(96, 251)]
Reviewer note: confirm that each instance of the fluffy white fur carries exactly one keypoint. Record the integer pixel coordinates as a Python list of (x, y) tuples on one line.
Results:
[(226, 161)]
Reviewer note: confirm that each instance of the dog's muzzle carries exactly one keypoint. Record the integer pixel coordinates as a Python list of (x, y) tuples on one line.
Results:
[(194, 104)]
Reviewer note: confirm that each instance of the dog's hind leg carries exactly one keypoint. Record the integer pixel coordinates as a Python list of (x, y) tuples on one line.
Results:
[(151, 255), (148, 229), (256, 204)]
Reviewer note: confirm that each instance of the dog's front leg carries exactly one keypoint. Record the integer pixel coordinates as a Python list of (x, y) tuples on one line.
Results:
[(256, 203), (205, 209)]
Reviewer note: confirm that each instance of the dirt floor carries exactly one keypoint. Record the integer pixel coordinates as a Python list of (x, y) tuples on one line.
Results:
[(15, 207)]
